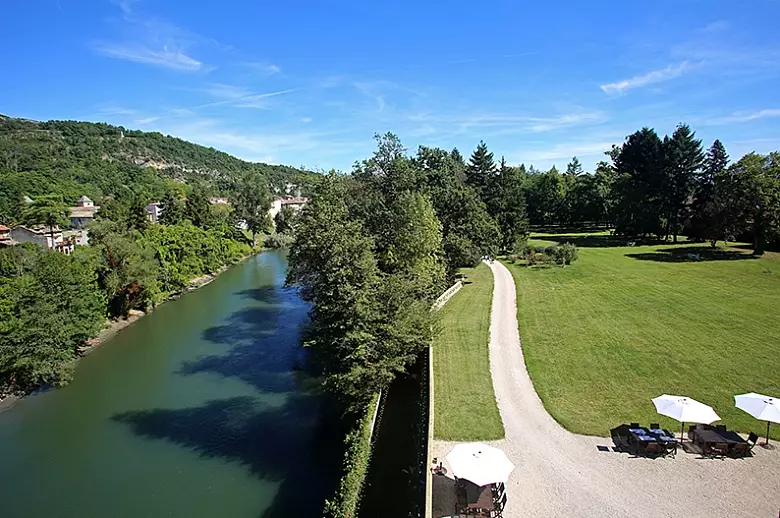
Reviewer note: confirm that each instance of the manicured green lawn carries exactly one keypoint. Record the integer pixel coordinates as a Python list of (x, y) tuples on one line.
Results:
[(625, 324), (464, 402)]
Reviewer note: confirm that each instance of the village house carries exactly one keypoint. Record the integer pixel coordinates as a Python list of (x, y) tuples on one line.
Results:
[(295, 202), (219, 200), (5, 236), (41, 235), (154, 211), (83, 213)]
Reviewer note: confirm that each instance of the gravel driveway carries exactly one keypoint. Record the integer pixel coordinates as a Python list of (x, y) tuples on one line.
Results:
[(560, 474)]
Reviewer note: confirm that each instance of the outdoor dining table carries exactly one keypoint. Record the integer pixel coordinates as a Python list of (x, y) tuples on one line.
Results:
[(475, 498), (643, 436), (707, 437)]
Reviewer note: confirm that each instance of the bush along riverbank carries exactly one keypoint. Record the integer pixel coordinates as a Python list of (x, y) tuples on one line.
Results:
[(53, 307)]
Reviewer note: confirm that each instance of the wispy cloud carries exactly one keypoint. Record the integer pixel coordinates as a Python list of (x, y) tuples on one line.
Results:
[(268, 69), (652, 77), (125, 5), (147, 120), (142, 38), (174, 59), (744, 117), (240, 97)]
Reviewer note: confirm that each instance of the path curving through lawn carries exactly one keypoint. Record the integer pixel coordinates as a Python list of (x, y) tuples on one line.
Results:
[(560, 474)]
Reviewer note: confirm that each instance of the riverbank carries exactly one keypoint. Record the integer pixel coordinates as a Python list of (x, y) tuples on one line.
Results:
[(114, 326)]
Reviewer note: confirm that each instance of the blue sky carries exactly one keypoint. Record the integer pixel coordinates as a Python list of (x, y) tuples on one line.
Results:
[(309, 83)]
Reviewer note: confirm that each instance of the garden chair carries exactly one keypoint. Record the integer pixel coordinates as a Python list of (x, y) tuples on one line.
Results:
[(498, 510), (739, 450), (721, 428), (719, 449), (752, 440), (634, 425), (655, 426)]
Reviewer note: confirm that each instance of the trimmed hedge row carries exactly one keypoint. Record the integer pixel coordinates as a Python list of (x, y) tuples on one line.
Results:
[(344, 504)]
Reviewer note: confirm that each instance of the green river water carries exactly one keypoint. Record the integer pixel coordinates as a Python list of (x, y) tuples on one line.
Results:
[(199, 409)]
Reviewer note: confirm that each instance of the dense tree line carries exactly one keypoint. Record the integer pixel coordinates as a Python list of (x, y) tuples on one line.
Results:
[(51, 303), (70, 159), (374, 249)]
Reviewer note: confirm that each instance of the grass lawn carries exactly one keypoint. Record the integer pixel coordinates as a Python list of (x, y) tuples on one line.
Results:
[(625, 324), (464, 402)]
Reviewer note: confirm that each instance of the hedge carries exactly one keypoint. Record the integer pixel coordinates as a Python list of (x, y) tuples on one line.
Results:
[(345, 503)]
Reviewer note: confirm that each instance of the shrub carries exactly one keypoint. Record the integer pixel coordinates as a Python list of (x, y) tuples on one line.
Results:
[(278, 240), (569, 253)]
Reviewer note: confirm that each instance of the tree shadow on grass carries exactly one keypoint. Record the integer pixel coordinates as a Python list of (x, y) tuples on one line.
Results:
[(691, 254), (603, 241), (297, 444)]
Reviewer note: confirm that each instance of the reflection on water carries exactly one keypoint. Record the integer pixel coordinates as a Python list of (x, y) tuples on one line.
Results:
[(202, 408)]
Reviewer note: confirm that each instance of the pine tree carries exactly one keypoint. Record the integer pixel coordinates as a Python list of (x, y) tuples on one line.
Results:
[(172, 210), (707, 213), (480, 169), (683, 160)]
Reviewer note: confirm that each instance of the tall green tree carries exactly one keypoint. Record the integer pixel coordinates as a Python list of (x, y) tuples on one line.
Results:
[(640, 184), (251, 202), (707, 219), (750, 192), (127, 272), (284, 221), (197, 207), (506, 204), (49, 308), (481, 168), (48, 210), (172, 209), (683, 160)]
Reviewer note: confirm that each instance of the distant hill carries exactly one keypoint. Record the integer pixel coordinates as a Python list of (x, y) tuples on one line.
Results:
[(75, 158)]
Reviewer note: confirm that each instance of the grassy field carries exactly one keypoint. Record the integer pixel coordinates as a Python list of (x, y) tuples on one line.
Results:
[(465, 405), (625, 324)]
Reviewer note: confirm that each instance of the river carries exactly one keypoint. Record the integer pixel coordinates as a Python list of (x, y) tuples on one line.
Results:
[(199, 409)]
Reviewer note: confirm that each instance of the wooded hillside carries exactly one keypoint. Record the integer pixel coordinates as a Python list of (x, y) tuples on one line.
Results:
[(71, 159)]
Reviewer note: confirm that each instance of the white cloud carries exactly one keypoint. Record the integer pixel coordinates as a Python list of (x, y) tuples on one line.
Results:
[(241, 98), (745, 116), (147, 120), (165, 57), (266, 68), (655, 76), (306, 119)]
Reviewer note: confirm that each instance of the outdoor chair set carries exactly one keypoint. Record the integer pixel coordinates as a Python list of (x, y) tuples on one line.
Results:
[(717, 441), (480, 501), (652, 442)]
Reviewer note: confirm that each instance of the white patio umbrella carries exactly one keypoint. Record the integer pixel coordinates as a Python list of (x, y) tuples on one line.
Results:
[(480, 463), (761, 407), (685, 410)]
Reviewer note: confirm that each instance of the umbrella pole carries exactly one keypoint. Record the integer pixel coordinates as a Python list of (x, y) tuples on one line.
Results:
[(682, 431), (766, 443)]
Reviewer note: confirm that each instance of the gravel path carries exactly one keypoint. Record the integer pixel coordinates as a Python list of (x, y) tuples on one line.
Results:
[(560, 474)]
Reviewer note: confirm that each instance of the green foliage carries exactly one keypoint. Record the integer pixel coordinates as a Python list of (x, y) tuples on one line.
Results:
[(71, 159), (172, 209), (197, 207), (749, 191), (127, 271), (285, 220), (278, 240), (481, 168), (251, 202), (345, 503), (49, 305), (185, 252), (505, 200), (46, 210), (568, 253)]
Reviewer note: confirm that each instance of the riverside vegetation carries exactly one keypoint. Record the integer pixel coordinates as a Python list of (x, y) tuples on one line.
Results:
[(51, 304)]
